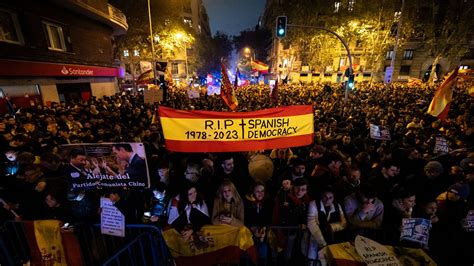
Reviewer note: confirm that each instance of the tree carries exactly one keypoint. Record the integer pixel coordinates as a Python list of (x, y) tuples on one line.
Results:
[(210, 51), (445, 28)]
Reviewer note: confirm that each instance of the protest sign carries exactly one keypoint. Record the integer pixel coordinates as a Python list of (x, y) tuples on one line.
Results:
[(379, 132), (112, 221), (98, 165), (469, 221), (416, 230), (374, 253), (204, 131), (152, 94), (194, 92), (441, 146)]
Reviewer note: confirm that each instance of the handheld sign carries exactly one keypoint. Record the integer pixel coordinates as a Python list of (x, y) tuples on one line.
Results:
[(469, 221), (416, 230), (379, 132), (441, 146), (374, 253), (112, 221)]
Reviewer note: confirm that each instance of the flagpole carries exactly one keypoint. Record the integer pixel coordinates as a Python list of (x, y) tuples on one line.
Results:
[(152, 44)]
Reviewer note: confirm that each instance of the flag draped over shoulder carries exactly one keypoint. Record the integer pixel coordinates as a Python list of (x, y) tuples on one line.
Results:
[(439, 106), (227, 92), (215, 244)]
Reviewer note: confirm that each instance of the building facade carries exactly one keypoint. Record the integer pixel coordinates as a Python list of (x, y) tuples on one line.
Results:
[(412, 59), (54, 51)]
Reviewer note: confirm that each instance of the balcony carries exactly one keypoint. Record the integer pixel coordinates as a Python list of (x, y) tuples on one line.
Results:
[(119, 18), (100, 11)]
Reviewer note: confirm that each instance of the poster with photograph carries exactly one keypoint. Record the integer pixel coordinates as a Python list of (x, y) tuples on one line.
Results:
[(379, 132), (416, 230), (105, 165)]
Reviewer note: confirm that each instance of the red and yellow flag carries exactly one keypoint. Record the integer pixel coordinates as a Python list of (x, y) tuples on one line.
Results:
[(259, 66), (227, 92), (439, 106), (215, 244), (205, 131)]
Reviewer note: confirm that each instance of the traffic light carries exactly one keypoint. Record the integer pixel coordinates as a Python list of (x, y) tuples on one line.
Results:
[(350, 81), (281, 26)]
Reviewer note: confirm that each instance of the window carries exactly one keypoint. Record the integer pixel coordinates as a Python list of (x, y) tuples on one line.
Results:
[(405, 70), (126, 53), (337, 6), (351, 5), (389, 55), (189, 22), (408, 55), (136, 52), (174, 69), (10, 28), (54, 36)]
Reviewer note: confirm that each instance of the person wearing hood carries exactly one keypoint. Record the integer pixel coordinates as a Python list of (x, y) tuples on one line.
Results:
[(401, 207)]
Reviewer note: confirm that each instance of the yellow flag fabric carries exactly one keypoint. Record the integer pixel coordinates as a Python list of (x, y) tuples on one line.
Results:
[(48, 238), (346, 254), (212, 237)]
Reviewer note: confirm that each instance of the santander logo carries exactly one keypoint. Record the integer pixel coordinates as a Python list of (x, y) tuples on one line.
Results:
[(64, 71)]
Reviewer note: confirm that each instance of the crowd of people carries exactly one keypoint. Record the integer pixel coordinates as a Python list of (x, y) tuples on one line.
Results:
[(344, 184)]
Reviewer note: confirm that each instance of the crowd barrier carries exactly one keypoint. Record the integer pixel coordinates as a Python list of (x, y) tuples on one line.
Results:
[(145, 245)]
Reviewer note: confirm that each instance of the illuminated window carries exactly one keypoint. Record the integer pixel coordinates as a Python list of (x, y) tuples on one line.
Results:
[(189, 22), (126, 53), (136, 52), (351, 5), (408, 55), (10, 28), (389, 55), (337, 6)]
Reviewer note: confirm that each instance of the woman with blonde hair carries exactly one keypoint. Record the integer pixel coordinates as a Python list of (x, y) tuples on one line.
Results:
[(228, 206)]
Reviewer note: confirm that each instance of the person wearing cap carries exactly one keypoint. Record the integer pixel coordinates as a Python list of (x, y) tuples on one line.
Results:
[(452, 209)]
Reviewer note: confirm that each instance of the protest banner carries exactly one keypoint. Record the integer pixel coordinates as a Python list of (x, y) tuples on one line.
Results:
[(416, 230), (204, 131), (469, 221), (112, 221), (102, 165), (441, 146), (379, 132), (374, 253), (152, 94)]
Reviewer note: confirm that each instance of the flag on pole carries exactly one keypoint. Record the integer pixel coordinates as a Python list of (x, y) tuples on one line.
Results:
[(146, 77), (439, 106), (259, 66), (227, 92), (274, 93)]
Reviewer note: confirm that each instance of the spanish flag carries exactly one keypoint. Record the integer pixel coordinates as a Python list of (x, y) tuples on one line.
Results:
[(259, 66), (49, 246), (214, 244), (146, 77), (439, 106), (227, 92)]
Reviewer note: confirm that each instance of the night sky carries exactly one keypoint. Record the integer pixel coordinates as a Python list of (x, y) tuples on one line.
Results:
[(233, 16)]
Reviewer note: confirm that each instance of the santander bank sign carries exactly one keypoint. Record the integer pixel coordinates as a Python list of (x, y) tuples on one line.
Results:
[(74, 71)]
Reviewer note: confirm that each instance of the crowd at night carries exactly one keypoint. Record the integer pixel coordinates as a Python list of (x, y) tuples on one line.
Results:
[(346, 183)]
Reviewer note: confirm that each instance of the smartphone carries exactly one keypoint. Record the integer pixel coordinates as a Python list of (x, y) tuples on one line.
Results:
[(147, 214)]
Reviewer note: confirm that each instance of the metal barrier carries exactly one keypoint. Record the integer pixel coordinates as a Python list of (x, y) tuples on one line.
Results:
[(144, 245)]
